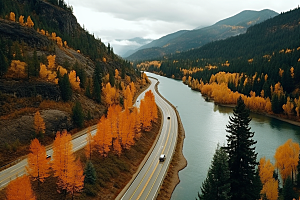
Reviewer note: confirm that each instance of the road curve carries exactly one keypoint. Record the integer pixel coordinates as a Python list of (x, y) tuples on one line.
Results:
[(148, 181)]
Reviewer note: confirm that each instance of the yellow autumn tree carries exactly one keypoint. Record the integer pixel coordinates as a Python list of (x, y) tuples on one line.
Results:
[(29, 22), (286, 159), (17, 69), (12, 16), (51, 62), (21, 20), (74, 80), (270, 185), (39, 124)]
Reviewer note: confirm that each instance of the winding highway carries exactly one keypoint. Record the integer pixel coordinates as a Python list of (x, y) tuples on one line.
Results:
[(148, 180)]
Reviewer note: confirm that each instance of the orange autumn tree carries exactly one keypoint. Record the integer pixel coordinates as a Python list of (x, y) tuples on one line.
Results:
[(76, 180), (286, 159), (29, 22), (51, 62), (63, 158), (270, 185), (110, 94), (21, 20), (74, 80), (103, 138), (20, 189), (128, 97), (17, 69), (39, 124), (38, 164), (12, 16)]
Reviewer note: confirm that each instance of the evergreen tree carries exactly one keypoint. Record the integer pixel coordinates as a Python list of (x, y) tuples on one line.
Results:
[(97, 82), (298, 174), (111, 78), (216, 185), (90, 173), (3, 63), (77, 115), (287, 191), (242, 156), (88, 90), (35, 64), (65, 88)]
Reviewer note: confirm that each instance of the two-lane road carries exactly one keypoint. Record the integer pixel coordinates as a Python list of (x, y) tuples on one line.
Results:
[(148, 181)]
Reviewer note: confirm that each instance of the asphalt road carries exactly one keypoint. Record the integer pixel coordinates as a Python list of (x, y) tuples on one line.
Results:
[(148, 181), (19, 168)]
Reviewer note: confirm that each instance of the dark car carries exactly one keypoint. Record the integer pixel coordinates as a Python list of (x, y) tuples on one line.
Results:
[(168, 117)]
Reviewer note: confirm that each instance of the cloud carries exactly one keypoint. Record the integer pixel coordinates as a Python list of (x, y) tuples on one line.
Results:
[(124, 19)]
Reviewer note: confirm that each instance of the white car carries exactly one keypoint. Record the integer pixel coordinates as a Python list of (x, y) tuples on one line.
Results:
[(162, 158)]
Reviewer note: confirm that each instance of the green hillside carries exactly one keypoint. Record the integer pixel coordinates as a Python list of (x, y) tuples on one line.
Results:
[(223, 29), (270, 48)]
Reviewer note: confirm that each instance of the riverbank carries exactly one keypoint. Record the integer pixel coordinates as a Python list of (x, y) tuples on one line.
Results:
[(178, 161)]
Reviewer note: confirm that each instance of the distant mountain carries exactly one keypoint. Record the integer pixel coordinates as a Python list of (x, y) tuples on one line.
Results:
[(156, 43), (127, 47), (196, 38)]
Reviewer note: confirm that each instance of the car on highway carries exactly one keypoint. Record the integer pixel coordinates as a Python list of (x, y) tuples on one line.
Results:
[(48, 157), (162, 158), (168, 117)]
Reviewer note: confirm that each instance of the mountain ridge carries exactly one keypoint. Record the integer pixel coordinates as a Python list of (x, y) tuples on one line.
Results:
[(196, 38)]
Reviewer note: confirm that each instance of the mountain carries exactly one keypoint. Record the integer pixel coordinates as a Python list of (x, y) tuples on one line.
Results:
[(126, 47), (156, 43), (265, 57), (196, 38)]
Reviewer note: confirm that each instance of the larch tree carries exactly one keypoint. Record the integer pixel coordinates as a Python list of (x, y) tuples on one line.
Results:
[(12, 16), (75, 182), (20, 189), (216, 186), (286, 159), (39, 124), (242, 156), (29, 22), (38, 164), (103, 137), (63, 159), (21, 20)]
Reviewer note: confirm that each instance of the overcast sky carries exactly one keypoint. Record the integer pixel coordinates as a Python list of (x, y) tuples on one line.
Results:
[(125, 19)]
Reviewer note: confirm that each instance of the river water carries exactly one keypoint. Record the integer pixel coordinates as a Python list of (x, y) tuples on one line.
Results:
[(205, 125)]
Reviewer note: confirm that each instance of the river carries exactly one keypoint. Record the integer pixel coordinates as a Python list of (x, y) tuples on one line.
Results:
[(205, 124)]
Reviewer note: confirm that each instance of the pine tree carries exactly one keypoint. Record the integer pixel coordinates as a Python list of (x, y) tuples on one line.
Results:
[(242, 156), (216, 185), (65, 88), (287, 190), (90, 173), (77, 115)]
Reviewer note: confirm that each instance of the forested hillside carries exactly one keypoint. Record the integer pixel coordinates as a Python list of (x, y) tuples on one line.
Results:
[(183, 41), (51, 65), (262, 64)]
